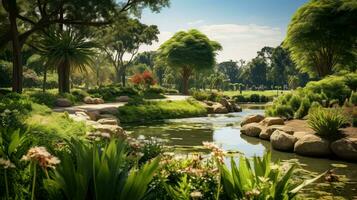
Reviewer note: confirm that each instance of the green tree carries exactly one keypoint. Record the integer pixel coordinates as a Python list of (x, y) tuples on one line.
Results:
[(231, 70), (322, 36), (188, 52), (125, 38), (20, 19), (67, 51)]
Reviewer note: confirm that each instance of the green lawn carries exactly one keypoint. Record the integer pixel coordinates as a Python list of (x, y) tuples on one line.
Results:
[(247, 93)]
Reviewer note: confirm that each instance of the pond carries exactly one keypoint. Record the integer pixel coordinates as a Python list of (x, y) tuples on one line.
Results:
[(186, 135)]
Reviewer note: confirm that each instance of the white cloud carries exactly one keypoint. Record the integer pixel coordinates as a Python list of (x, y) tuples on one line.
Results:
[(195, 23), (238, 41)]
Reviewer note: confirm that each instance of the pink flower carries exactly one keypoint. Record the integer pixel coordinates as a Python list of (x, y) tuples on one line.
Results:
[(41, 156)]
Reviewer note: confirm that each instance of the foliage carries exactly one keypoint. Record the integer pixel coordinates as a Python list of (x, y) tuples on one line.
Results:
[(112, 174), (353, 98), (303, 109), (207, 95), (110, 92), (79, 94), (260, 181), (46, 98), (145, 79), (150, 148), (189, 51), (321, 36), (326, 121), (159, 110), (14, 108)]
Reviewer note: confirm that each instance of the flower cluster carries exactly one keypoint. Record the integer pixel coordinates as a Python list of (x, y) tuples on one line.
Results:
[(6, 163), (42, 157), (217, 152), (146, 78)]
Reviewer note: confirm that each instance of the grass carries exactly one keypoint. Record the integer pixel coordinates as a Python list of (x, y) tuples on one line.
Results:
[(48, 127), (247, 93), (158, 110)]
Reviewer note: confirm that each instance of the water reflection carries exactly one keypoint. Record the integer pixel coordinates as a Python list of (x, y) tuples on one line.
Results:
[(224, 130)]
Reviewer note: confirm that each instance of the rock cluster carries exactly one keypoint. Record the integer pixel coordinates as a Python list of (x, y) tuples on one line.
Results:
[(63, 102), (90, 100), (285, 138), (222, 107)]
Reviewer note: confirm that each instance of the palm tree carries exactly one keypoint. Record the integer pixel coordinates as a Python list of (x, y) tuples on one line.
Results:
[(67, 51)]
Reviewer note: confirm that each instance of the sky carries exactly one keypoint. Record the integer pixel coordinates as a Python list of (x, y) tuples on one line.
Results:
[(242, 27)]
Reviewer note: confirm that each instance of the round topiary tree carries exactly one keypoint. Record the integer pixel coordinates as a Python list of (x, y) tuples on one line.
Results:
[(188, 52)]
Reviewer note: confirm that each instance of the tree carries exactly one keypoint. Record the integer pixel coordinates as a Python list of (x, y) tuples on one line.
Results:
[(188, 52), (257, 71), (281, 67), (21, 19), (67, 51), (322, 35), (231, 70), (125, 38)]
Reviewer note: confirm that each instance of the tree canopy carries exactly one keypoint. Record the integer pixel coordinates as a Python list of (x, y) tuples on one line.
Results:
[(322, 36), (189, 51)]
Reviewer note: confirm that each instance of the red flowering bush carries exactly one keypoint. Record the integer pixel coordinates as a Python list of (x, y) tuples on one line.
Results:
[(146, 78)]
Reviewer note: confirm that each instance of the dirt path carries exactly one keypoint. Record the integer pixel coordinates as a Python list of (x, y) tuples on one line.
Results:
[(93, 107)]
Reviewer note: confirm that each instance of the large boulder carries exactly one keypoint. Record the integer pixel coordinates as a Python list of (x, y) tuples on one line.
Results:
[(113, 130), (108, 121), (219, 109), (109, 110), (63, 102), (269, 121), (209, 103), (93, 115), (268, 131), (282, 141), (235, 107), (90, 100), (226, 104), (252, 129), (122, 99), (312, 145), (252, 119), (301, 134), (345, 148)]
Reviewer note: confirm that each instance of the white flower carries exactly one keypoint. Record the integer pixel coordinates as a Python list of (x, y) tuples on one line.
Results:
[(6, 163), (42, 156)]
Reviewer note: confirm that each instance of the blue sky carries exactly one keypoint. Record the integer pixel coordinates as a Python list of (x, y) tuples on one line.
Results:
[(242, 26)]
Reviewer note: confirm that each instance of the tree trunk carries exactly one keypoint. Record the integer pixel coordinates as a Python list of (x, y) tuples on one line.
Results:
[(123, 76), (63, 77), (60, 78), (44, 79), (186, 73), (16, 49)]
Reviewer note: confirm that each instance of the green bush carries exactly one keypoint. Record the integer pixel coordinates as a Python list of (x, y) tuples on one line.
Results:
[(303, 109), (110, 92), (79, 94), (326, 121), (158, 110), (46, 98), (239, 98), (353, 98), (207, 95), (254, 98), (14, 108), (295, 102)]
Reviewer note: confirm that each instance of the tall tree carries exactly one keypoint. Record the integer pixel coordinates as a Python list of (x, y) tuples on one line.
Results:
[(188, 52), (37, 15), (231, 70), (125, 38), (67, 51), (322, 35)]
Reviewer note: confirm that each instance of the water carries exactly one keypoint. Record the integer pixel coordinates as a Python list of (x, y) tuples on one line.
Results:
[(187, 135)]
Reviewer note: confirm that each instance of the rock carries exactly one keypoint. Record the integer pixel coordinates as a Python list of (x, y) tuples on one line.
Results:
[(300, 134), (63, 102), (312, 145), (252, 119), (235, 107), (102, 116), (122, 99), (345, 148), (108, 121), (219, 108), (210, 109), (252, 129), (113, 130), (226, 104), (93, 115), (90, 100), (209, 103), (98, 101), (82, 114), (266, 132), (109, 110), (282, 141), (269, 121)]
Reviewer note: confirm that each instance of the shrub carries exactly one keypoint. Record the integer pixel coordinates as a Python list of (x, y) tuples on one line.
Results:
[(303, 109), (295, 102), (353, 98), (326, 121), (14, 108), (79, 94), (239, 98), (284, 111), (158, 110), (45, 98), (263, 98), (207, 95), (109, 93), (254, 98)]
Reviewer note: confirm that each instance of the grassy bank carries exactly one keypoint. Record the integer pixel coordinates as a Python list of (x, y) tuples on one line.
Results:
[(248, 93), (157, 110)]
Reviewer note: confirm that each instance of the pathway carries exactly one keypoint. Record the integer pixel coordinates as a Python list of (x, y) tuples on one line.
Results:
[(93, 107)]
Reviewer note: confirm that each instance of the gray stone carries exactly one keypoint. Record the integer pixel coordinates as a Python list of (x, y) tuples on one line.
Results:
[(252, 119), (63, 102), (109, 110), (113, 130), (108, 121), (93, 115), (345, 148), (312, 145), (219, 108), (122, 99), (252, 129), (282, 141)]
